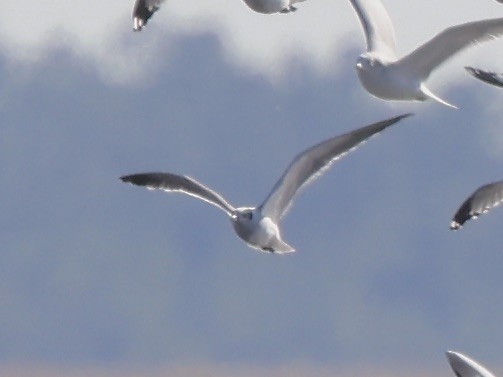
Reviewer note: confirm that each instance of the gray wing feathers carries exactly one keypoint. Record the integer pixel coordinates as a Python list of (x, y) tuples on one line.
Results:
[(464, 366), (312, 163), (486, 76), (179, 183), (481, 201), (377, 26), (449, 42)]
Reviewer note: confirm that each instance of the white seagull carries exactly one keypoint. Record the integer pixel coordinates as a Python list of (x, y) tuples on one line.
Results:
[(481, 201), (486, 76), (259, 226), (385, 76), (463, 366), (143, 10)]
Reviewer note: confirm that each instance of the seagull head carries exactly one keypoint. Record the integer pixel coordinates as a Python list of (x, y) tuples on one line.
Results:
[(365, 62), (246, 223), (245, 215)]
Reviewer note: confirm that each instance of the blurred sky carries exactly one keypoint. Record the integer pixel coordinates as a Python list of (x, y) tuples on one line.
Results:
[(99, 278)]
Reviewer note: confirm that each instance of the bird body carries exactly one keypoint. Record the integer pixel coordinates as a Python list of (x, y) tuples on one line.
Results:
[(272, 6), (258, 230), (387, 81), (259, 226)]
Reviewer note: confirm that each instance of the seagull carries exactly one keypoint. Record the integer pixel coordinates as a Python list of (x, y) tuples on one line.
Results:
[(486, 76), (463, 366), (481, 201), (272, 6), (143, 10), (259, 226), (385, 76)]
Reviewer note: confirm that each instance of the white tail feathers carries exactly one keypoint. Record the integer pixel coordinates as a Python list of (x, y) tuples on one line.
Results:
[(281, 247)]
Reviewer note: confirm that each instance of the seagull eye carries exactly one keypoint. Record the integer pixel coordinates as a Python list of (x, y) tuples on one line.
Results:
[(250, 215)]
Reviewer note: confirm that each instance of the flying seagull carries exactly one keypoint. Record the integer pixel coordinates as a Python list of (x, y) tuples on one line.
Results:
[(259, 226), (463, 366), (385, 76), (488, 77), (143, 10), (481, 201)]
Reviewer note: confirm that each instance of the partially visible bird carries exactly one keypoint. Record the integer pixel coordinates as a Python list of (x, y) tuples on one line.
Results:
[(486, 76), (385, 76), (272, 6), (463, 366), (481, 201), (259, 226), (143, 10)]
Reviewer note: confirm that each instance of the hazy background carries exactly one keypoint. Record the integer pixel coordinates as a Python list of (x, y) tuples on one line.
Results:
[(98, 278)]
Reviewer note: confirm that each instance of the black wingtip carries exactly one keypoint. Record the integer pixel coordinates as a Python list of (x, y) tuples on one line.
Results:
[(142, 13), (133, 179), (138, 23), (140, 179), (400, 117), (470, 70), (463, 214), (455, 225)]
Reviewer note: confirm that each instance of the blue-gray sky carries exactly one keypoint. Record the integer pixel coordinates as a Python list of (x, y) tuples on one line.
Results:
[(95, 272)]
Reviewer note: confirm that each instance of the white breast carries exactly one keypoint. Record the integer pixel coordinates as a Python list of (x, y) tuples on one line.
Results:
[(388, 83)]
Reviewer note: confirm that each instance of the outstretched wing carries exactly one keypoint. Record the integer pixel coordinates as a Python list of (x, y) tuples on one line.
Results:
[(143, 10), (481, 201), (463, 366), (179, 183), (377, 26), (488, 77), (423, 60), (312, 163)]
